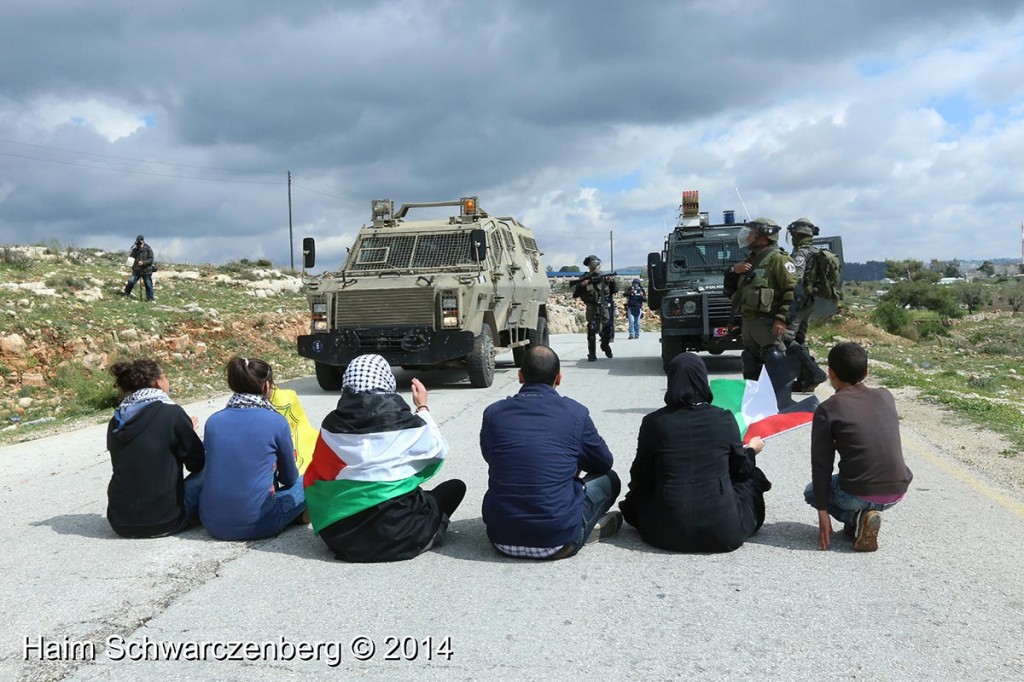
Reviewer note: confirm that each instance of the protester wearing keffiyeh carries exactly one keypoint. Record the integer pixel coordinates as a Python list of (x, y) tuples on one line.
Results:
[(372, 455)]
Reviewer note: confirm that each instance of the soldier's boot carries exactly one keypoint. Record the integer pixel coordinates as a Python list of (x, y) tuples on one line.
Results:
[(591, 347), (782, 370), (606, 343), (751, 365), (810, 374)]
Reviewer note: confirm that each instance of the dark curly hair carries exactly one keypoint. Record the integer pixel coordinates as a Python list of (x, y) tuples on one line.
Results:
[(132, 375)]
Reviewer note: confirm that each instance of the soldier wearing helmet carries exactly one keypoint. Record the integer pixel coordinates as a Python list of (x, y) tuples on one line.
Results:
[(802, 232), (595, 290), (761, 287)]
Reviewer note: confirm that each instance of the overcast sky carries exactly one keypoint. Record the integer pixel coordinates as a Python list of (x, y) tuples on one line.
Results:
[(898, 125)]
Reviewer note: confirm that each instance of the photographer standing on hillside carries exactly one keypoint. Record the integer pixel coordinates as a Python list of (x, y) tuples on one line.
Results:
[(142, 267)]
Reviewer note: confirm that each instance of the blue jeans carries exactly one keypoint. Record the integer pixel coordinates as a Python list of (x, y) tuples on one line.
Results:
[(289, 503), (842, 506), (193, 486), (146, 279), (634, 321), (599, 494)]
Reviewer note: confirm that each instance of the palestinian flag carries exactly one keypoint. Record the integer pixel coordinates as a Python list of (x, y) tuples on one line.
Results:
[(371, 448), (756, 409)]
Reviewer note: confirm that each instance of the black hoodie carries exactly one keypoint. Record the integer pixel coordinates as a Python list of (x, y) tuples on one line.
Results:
[(146, 495)]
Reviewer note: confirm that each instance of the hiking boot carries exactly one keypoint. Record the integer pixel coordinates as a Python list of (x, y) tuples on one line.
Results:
[(868, 525), (606, 347), (591, 358)]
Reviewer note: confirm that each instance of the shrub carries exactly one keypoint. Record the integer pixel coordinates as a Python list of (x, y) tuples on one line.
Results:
[(931, 328), (890, 316), (89, 388), (15, 260)]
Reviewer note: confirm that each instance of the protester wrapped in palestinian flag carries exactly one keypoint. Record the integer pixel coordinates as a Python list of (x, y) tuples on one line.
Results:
[(371, 456)]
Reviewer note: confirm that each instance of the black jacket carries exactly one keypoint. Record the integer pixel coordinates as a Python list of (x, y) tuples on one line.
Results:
[(693, 486), (143, 257), (146, 495)]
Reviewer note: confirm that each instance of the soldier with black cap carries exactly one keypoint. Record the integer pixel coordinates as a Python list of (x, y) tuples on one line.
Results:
[(761, 287), (595, 290), (142, 268)]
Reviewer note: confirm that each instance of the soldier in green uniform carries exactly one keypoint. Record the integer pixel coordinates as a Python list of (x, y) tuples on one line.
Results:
[(761, 287), (595, 290)]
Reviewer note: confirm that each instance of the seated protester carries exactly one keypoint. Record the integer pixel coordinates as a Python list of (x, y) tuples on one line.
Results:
[(252, 487), (372, 456), (286, 402), (536, 444), (862, 425), (149, 439), (693, 486)]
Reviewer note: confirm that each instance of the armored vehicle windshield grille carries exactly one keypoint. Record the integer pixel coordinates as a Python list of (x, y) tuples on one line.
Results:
[(529, 243), (385, 306), (402, 252), (715, 255)]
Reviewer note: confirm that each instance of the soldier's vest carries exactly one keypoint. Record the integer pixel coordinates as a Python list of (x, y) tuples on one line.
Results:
[(595, 293), (755, 295)]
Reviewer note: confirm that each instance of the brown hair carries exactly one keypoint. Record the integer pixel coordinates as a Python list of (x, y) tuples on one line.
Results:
[(248, 375), (132, 375)]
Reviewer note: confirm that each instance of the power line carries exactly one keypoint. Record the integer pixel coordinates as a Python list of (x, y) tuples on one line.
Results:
[(128, 158), (139, 172), (326, 194)]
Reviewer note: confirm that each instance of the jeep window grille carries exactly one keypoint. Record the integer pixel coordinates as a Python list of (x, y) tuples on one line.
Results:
[(713, 255), (404, 252), (529, 243), (441, 251), (497, 248), (510, 241)]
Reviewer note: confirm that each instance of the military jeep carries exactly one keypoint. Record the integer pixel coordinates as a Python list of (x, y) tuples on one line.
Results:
[(428, 293)]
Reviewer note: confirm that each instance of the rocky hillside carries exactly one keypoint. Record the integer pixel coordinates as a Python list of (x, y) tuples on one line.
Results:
[(64, 321)]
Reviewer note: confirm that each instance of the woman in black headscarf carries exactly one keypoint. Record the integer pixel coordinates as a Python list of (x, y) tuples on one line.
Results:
[(693, 486)]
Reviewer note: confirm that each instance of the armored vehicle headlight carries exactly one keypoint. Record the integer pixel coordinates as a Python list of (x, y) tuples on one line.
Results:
[(320, 325), (690, 307), (449, 309), (320, 308)]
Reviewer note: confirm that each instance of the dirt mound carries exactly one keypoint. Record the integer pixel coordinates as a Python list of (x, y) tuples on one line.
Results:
[(867, 334)]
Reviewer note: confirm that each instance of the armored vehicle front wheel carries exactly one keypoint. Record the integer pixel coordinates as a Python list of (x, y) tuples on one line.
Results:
[(537, 337), (329, 376), (480, 363)]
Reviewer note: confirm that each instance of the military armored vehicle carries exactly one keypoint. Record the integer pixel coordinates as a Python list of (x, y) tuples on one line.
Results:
[(687, 277), (428, 293)]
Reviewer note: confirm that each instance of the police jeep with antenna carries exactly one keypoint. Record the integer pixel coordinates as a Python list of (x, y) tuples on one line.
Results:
[(686, 282), (428, 293)]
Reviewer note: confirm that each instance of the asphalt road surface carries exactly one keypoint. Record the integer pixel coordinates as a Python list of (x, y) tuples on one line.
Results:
[(943, 598)]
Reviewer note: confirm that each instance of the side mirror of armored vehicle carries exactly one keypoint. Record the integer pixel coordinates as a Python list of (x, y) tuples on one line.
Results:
[(478, 246), (308, 252), (655, 279)]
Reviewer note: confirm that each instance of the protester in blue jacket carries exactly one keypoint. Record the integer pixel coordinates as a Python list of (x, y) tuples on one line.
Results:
[(550, 478), (252, 488)]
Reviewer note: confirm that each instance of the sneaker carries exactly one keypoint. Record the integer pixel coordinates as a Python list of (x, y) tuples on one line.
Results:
[(868, 525)]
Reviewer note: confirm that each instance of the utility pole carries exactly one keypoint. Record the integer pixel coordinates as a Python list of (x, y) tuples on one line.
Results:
[(291, 241), (611, 247)]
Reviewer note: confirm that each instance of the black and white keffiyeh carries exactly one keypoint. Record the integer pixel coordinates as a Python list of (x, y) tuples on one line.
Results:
[(249, 400), (369, 374), (133, 403)]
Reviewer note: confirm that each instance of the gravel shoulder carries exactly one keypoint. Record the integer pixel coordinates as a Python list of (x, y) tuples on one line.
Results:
[(986, 454)]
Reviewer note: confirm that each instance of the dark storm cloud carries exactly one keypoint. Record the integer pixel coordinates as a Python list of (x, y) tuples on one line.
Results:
[(414, 100)]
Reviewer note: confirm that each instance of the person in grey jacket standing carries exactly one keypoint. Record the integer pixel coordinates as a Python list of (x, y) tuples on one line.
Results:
[(142, 268)]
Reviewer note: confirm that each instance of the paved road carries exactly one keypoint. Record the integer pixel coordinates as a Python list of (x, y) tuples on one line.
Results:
[(943, 598)]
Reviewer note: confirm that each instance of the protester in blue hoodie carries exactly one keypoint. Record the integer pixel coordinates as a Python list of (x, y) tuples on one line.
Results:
[(252, 487), (150, 439)]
